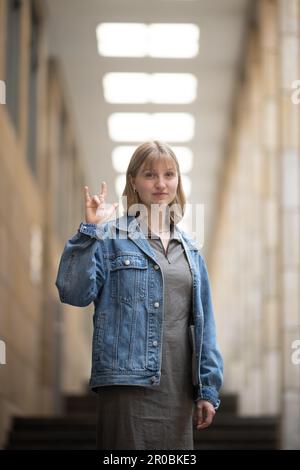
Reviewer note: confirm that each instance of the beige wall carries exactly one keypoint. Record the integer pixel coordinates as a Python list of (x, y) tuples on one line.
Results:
[(32, 320), (289, 33), (255, 256)]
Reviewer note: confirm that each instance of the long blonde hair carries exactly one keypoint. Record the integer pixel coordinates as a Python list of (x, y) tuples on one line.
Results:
[(149, 152)]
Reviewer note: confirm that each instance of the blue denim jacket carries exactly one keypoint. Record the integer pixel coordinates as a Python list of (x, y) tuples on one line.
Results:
[(114, 266)]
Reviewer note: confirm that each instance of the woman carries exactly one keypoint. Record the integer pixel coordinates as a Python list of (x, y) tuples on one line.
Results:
[(150, 288)]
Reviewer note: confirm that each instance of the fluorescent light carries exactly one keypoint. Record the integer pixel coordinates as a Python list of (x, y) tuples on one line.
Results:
[(121, 39), (185, 158), (178, 88), (121, 156), (126, 87), (132, 127), (187, 185), (167, 40), (173, 40), (173, 88)]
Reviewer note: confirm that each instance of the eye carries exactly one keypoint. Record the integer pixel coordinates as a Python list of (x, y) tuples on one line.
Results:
[(171, 173), (148, 174)]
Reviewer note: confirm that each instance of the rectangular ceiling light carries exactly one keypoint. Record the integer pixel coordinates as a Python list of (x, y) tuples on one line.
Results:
[(173, 40), (165, 40), (133, 127), (166, 88), (121, 156), (185, 158), (187, 185)]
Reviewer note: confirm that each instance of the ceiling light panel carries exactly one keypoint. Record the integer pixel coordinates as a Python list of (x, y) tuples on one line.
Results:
[(165, 40), (132, 127), (165, 88)]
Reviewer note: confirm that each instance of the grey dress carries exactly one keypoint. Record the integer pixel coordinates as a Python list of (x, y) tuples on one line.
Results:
[(135, 417)]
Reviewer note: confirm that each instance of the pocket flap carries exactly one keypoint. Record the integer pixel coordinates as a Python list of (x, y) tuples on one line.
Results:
[(127, 262)]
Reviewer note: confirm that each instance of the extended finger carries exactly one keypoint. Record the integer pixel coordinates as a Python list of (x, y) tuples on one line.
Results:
[(103, 190), (87, 193)]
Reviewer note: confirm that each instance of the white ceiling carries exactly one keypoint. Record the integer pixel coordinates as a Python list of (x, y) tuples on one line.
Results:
[(223, 26)]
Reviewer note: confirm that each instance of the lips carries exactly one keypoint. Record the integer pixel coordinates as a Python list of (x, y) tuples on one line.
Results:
[(160, 194)]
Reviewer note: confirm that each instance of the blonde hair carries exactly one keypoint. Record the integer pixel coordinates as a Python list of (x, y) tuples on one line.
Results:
[(150, 152)]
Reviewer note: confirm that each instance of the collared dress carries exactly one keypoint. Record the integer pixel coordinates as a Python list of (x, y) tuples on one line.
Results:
[(161, 416)]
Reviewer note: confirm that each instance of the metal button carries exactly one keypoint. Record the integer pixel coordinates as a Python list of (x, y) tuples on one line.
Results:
[(155, 343), (156, 304), (127, 262), (156, 267), (153, 379)]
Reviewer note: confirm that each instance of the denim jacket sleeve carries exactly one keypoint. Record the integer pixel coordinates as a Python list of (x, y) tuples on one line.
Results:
[(211, 366), (81, 270)]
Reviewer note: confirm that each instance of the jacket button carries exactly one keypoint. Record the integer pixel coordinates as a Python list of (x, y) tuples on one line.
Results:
[(127, 262), (153, 379), (156, 267), (156, 304), (155, 343)]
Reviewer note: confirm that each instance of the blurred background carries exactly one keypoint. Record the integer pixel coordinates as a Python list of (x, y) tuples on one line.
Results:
[(82, 84)]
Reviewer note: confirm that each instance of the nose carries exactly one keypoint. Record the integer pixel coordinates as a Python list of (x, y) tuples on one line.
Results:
[(160, 183)]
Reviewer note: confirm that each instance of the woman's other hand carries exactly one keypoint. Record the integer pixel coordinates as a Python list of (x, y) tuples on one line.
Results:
[(204, 414)]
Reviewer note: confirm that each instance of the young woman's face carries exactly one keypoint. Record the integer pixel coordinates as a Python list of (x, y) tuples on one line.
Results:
[(157, 185)]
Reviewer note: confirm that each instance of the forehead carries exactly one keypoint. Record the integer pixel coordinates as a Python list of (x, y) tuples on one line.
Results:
[(158, 162)]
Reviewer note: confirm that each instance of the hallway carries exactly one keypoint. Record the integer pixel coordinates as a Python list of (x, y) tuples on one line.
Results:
[(82, 84)]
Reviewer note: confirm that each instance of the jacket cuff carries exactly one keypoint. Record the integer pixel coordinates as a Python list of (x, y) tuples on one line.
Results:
[(209, 394), (93, 230)]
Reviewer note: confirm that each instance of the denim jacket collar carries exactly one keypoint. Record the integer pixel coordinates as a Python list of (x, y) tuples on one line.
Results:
[(130, 224)]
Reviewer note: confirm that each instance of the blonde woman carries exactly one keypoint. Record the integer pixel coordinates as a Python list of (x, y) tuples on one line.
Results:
[(150, 289)]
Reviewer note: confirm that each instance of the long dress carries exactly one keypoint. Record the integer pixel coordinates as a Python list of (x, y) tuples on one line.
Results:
[(157, 417)]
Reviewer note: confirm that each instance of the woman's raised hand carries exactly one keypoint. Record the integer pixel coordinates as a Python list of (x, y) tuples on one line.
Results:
[(96, 211)]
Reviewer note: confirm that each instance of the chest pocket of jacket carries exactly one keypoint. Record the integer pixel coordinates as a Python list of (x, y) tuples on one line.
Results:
[(128, 277)]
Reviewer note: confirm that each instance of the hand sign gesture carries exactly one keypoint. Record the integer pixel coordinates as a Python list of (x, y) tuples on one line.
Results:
[(96, 211)]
